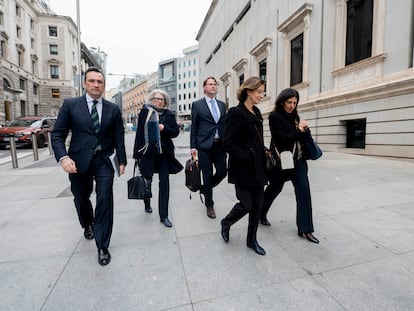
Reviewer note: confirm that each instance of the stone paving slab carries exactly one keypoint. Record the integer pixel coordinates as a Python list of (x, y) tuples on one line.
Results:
[(363, 216)]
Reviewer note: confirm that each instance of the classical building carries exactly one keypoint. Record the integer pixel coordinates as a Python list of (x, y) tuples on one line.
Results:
[(187, 82), (39, 59), (350, 60)]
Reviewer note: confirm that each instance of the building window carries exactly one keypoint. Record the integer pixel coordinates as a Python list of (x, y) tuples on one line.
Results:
[(22, 108), (32, 43), (1, 18), (20, 58), (358, 30), (355, 133), (32, 24), (263, 71), (53, 31), (36, 109), (53, 49), (34, 71), (22, 84), (296, 30), (54, 72), (296, 60), (35, 89), (2, 48), (55, 93), (241, 79), (18, 32), (18, 11)]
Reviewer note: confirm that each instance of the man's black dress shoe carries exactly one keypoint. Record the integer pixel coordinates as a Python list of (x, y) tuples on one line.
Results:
[(265, 222), (88, 233), (148, 209), (309, 237), (225, 232), (257, 248), (166, 222), (104, 257)]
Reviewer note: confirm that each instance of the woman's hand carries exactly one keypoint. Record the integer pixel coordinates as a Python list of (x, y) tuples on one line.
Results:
[(303, 126)]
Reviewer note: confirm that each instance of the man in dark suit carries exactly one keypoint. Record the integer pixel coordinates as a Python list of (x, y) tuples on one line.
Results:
[(207, 128), (96, 132)]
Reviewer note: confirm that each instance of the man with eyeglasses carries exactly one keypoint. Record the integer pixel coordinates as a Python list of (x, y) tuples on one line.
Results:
[(207, 128)]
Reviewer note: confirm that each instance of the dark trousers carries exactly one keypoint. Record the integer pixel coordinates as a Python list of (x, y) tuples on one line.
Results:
[(300, 181), (82, 186), (215, 157), (250, 202), (163, 186)]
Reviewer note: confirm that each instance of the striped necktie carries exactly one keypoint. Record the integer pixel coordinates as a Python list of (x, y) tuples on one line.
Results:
[(95, 122), (95, 116)]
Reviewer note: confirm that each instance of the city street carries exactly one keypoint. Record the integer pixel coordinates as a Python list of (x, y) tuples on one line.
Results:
[(363, 216)]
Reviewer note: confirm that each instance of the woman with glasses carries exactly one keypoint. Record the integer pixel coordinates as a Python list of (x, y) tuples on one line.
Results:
[(154, 148)]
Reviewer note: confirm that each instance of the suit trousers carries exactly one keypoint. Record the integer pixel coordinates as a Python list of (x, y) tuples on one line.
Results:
[(82, 186), (250, 202), (300, 181), (216, 157), (162, 163)]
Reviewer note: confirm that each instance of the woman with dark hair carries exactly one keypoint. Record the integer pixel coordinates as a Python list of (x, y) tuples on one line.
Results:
[(154, 148), (288, 133), (243, 141)]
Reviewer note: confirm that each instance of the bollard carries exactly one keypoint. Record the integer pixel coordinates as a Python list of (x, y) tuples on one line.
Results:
[(49, 143), (34, 146), (13, 151)]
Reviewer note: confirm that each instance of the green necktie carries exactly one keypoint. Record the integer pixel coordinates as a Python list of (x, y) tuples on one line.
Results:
[(95, 122), (95, 116)]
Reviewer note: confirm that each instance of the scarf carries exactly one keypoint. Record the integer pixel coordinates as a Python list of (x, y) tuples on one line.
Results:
[(151, 129)]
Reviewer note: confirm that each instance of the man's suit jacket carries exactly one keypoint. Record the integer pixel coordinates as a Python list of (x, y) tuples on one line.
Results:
[(203, 126), (74, 116)]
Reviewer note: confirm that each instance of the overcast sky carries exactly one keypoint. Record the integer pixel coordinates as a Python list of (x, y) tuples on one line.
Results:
[(136, 34)]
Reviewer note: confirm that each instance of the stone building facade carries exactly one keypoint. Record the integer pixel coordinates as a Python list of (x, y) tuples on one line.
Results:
[(41, 60), (351, 61)]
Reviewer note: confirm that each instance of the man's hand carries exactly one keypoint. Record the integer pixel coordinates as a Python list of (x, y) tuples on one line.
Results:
[(69, 165), (193, 153), (121, 169)]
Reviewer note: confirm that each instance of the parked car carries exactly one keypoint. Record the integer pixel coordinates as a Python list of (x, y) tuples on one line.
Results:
[(21, 130)]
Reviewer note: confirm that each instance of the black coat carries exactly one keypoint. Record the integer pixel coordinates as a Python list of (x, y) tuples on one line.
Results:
[(74, 116), (147, 162), (243, 140), (284, 132)]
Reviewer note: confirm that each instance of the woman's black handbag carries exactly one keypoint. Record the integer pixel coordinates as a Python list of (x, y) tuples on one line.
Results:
[(313, 152), (139, 188)]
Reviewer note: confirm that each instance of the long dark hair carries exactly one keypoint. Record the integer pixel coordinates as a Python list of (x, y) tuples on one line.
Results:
[(284, 96)]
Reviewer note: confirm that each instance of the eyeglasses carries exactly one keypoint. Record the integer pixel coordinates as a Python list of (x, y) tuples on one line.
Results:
[(260, 92), (159, 99)]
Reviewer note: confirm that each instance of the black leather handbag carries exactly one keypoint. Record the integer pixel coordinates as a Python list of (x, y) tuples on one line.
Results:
[(139, 188)]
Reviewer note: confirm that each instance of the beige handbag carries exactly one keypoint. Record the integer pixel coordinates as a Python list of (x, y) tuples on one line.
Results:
[(286, 158)]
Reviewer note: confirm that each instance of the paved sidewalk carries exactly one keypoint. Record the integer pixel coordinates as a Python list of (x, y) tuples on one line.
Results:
[(363, 216)]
